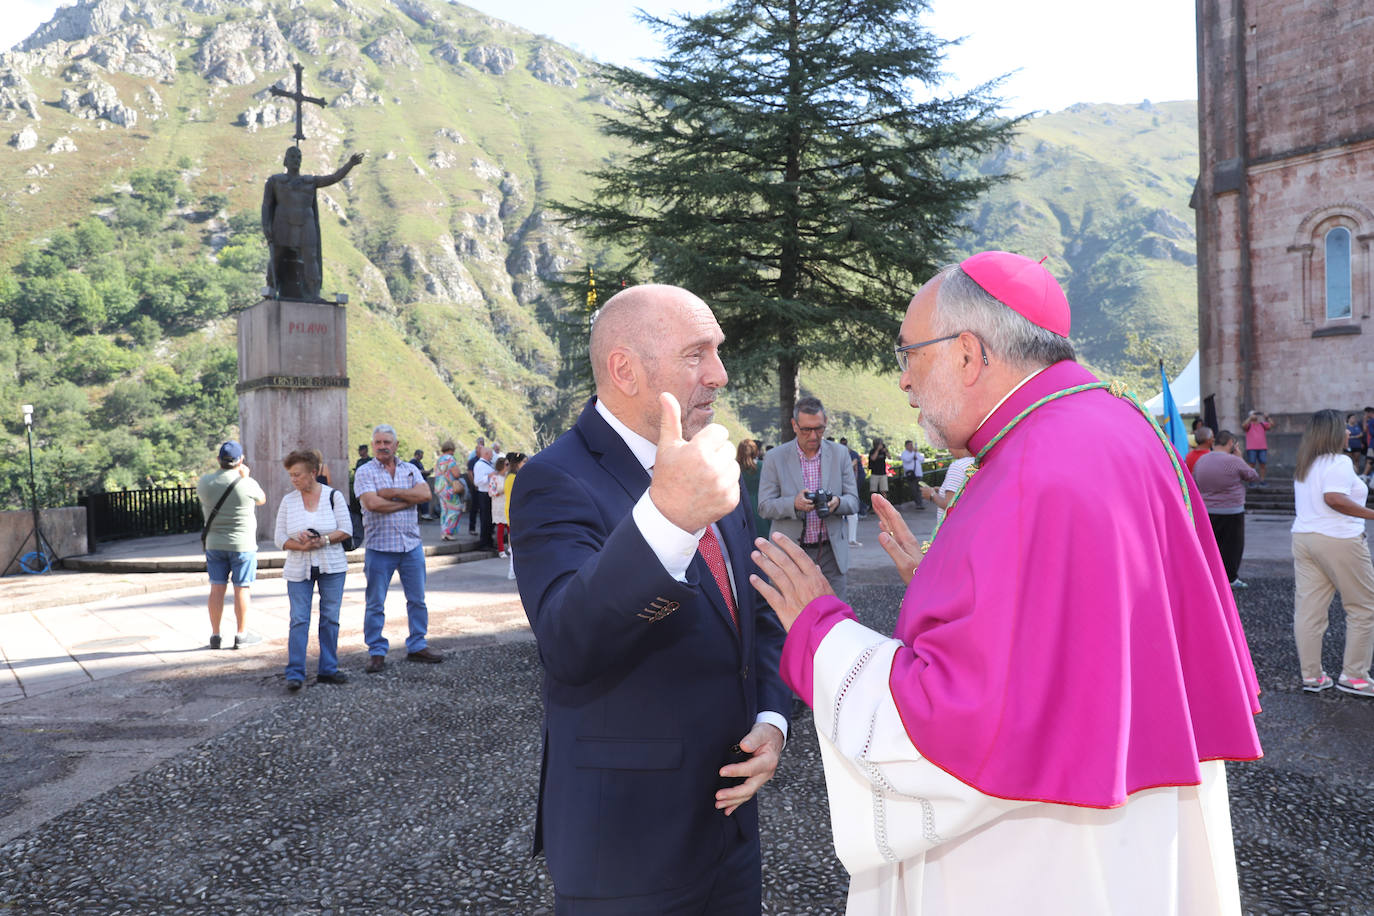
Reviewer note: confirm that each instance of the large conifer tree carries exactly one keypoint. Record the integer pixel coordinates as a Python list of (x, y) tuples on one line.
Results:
[(791, 163)]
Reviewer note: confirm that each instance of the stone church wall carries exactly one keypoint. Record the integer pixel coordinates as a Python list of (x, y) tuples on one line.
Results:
[(1287, 146)]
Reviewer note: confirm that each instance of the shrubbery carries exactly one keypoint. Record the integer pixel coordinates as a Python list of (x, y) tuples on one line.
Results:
[(96, 331)]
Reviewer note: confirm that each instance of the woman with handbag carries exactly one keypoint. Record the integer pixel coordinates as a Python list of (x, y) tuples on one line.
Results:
[(312, 525), (451, 488)]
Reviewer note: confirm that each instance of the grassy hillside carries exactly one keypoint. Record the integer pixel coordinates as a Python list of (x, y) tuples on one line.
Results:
[(152, 118), (440, 238), (1103, 191)]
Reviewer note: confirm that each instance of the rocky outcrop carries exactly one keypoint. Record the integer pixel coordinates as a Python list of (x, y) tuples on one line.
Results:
[(393, 51), (24, 140), (274, 111), (485, 170), (512, 195), (94, 18), (134, 51), (541, 250), (355, 89), (99, 101), (442, 159), (449, 53), (1152, 246), (449, 134), (417, 10), (235, 52), (495, 59), (554, 69), (440, 274), (306, 34), (81, 71), (1162, 222), (63, 145), (16, 95)]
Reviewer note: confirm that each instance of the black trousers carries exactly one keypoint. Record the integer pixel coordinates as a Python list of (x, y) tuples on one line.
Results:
[(487, 537), (1230, 535)]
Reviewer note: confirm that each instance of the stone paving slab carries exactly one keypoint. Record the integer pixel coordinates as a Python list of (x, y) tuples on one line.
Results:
[(412, 792)]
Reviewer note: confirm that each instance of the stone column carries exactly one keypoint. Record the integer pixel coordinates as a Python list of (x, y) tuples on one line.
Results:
[(293, 392)]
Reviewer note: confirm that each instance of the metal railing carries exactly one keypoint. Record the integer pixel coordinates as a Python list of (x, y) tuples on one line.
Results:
[(141, 513)]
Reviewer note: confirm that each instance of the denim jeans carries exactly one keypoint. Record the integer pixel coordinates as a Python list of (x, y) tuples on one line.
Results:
[(331, 597), (378, 566)]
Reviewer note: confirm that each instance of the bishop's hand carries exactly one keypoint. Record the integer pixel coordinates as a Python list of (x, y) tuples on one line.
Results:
[(896, 538), (696, 481), (794, 579)]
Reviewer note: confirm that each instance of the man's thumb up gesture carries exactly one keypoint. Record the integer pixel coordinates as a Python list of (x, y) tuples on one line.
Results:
[(696, 481)]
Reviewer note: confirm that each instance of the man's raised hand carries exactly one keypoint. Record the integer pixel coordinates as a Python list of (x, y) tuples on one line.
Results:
[(696, 481)]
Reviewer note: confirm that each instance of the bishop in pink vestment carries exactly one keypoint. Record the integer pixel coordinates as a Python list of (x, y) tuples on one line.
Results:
[(1046, 727)]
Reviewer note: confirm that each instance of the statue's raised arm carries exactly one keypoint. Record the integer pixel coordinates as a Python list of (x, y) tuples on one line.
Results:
[(322, 181)]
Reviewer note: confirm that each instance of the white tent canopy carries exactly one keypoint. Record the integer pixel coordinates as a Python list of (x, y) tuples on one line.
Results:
[(1186, 390)]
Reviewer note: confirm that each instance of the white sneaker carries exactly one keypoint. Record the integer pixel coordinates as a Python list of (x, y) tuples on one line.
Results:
[(1356, 685), (1239, 583), (856, 543), (1317, 684)]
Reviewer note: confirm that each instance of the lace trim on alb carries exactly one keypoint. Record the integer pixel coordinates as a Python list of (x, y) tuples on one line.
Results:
[(882, 788)]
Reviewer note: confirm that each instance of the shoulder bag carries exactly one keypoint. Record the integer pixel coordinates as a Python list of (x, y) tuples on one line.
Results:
[(205, 532), (350, 542)]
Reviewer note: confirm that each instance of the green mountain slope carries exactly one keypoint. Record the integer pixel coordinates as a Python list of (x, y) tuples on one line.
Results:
[(151, 118), (440, 239), (1102, 191)]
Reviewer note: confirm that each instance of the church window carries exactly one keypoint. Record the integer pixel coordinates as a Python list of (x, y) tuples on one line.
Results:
[(1338, 273)]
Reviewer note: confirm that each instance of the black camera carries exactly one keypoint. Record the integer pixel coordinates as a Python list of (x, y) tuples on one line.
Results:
[(820, 501)]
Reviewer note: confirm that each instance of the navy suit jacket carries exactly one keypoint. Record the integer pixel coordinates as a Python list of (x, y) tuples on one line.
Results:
[(647, 681)]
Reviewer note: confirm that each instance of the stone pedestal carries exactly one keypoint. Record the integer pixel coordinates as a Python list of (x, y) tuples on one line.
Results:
[(293, 392)]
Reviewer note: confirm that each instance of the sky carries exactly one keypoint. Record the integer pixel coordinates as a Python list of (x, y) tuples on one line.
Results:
[(1063, 51)]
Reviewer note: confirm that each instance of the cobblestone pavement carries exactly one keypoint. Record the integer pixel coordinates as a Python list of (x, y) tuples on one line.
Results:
[(412, 792)]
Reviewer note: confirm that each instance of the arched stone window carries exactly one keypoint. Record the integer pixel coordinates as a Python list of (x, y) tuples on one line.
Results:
[(1337, 264), (1333, 279)]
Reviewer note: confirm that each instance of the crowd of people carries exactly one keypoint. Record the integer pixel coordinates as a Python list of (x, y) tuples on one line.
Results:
[(381, 511), (683, 591), (1331, 556)]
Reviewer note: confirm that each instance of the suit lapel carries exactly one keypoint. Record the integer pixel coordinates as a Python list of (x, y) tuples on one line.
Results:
[(612, 453)]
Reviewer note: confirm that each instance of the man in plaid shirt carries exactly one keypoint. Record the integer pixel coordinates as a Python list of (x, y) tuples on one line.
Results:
[(389, 490), (808, 463)]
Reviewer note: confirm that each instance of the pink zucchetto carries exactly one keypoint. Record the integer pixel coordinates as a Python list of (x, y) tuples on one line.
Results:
[(1022, 285)]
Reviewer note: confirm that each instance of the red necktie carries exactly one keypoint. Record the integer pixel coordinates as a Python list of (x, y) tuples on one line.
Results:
[(709, 548)]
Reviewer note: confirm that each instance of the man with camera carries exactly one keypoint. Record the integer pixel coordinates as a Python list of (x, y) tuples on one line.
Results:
[(806, 487)]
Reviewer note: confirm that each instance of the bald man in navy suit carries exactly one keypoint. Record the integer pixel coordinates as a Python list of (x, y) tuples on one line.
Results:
[(663, 709)]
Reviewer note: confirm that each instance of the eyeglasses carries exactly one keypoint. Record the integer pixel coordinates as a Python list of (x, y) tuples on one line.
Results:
[(901, 351), (809, 430)]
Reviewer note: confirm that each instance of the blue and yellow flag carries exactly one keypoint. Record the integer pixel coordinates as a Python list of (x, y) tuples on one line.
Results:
[(1173, 420)]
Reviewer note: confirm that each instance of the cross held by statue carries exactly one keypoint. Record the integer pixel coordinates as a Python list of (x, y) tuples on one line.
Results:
[(298, 97)]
